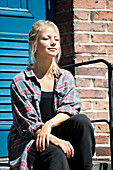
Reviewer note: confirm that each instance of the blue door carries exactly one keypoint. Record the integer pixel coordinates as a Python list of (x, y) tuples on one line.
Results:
[(16, 19)]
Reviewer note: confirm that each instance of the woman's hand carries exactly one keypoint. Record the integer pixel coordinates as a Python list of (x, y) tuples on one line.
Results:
[(42, 136), (64, 145)]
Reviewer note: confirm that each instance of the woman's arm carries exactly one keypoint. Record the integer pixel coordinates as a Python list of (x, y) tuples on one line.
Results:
[(24, 114), (47, 127), (58, 119), (44, 136), (68, 105), (63, 144)]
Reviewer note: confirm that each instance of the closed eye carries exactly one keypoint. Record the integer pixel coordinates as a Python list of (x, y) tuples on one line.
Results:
[(57, 39), (45, 38)]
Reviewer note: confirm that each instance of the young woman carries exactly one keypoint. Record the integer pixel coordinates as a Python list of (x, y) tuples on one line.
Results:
[(47, 131)]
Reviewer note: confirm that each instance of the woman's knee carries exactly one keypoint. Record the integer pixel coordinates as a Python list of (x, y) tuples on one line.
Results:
[(81, 119), (52, 158), (55, 152), (58, 159)]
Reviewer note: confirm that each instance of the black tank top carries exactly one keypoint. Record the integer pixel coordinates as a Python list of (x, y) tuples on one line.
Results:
[(46, 105)]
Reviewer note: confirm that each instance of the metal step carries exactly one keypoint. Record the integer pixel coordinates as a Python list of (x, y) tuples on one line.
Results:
[(97, 165), (4, 164), (101, 165)]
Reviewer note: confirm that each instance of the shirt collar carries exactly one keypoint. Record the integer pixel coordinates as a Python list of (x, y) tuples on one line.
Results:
[(29, 72), (57, 73)]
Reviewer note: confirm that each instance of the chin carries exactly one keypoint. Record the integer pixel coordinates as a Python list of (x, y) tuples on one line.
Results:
[(53, 54)]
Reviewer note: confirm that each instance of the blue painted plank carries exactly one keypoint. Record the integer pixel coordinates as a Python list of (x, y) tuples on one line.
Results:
[(3, 3), (23, 25), (24, 4), (7, 76), (6, 116), (5, 100), (14, 68), (4, 92), (13, 60), (5, 108), (13, 4), (14, 53), (23, 13), (5, 84), (5, 125), (14, 45), (3, 143), (16, 23), (13, 36)]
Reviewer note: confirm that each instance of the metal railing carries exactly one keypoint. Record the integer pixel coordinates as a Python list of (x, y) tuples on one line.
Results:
[(110, 92)]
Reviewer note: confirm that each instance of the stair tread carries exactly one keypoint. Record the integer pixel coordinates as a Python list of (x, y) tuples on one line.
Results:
[(96, 164)]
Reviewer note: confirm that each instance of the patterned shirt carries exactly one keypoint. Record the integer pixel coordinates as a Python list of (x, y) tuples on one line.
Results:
[(26, 96)]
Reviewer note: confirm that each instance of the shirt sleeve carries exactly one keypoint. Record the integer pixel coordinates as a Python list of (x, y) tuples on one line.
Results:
[(70, 103), (25, 115)]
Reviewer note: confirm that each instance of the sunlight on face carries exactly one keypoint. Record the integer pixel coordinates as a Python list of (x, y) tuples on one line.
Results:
[(48, 42)]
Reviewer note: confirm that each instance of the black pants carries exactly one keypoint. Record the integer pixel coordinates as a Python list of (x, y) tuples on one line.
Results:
[(79, 131)]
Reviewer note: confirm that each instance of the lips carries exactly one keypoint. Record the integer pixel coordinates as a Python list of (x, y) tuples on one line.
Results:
[(52, 49)]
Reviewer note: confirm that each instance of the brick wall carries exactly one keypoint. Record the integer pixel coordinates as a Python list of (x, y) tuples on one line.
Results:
[(86, 28)]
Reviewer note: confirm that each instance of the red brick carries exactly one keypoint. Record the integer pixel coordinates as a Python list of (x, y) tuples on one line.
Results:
[(97, 116), (102, 159), (61, 28), (68, 4), (101, 128), (68, 27), (92, 71), (107, 58), (102, 38), (109, 5), (110, 27), (81, 38), (65, 27), (102, 151), (103, 16), (80, 59), (110, 50), (90, 49), (67, 50), (64, 17), (102, 139), (66, 39), (82, 82), (86, 105), (66, 60), (100, 105), (81, 15), (90, 4), (94, 94), (80, 26), (59, 7), (100, 83)]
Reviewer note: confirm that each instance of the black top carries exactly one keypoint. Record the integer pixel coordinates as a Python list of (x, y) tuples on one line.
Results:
[(46, 105)]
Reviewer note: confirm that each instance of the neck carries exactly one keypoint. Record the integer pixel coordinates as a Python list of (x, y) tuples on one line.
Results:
[(42, 67)]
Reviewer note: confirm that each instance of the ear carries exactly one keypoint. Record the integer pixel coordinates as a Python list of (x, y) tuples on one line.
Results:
[(31, 43)]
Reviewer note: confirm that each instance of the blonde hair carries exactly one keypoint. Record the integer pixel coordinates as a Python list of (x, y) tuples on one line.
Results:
[(33, 40)]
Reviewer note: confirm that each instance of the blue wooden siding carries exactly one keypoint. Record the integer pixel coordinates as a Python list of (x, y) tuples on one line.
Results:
[(17, 17), (14, 54)]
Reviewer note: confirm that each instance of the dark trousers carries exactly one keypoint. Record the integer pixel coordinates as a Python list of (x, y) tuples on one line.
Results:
[(79, 131)]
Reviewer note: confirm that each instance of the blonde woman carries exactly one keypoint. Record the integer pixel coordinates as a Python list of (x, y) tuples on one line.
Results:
[(48, 133)]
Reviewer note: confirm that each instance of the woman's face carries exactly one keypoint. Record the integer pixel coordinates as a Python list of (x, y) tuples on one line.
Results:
[(48, 42)]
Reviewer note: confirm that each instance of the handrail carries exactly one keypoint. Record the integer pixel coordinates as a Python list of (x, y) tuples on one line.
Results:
[(100, 120), (110, 80), (88, 62)]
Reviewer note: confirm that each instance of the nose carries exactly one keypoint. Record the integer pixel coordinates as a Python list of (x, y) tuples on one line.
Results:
[(53, 42)]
